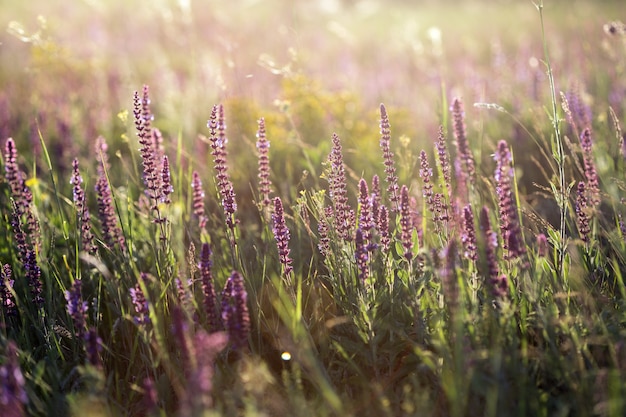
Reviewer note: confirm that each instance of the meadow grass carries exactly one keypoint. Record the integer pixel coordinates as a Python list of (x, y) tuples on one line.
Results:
[(360, 265)]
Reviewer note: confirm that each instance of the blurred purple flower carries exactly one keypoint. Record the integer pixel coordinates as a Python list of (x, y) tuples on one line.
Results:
[(235, 311), (77, 308), (542, 245), (93, 346), (198, 199), (498, 283), (7, 301), (464, 153), (82, 211), (468, 234), (406, 224), (112, 234), (13, 395), (211, 306), (338, 191), (592, 187), (140, 303)]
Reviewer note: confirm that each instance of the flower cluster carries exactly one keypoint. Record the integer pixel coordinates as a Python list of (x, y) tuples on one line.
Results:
[(143, 125), (509, 219), (77, 308), (388, 159), (406, 223), (263, 146), (366, 215), (468, 234), (497, 282), (282, 236), (425, 174), (444, 162), (140, 303), (361, 255), (111, 231), (198, 199), (593, 186), (82, 211), (218, 140), (583, 219), (211, 306), (464, 153), (13, 396), (344, 216), (235, 311)]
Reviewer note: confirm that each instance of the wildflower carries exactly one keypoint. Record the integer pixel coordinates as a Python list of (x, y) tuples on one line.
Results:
[(468, 235), (263, 146), (282, 236), (361, 256), (366, 218), (509, 219), (7, 301), (208, 289), (338, 191), (383, 228), (20, 193), (143, 118), (200, 384), (77, 308), (592, 187), (235, 311), (93, 346), (179, 334), (390, 169), (166, 182), (323, 231), (198, 199), (140, 303), (406, 224), (426, 173), (376, 196), (464, 153), (84, 218), (444, 163), (218, 142), (582, 212), (13, 395), (497, 282), (449, 282), (112, 234)]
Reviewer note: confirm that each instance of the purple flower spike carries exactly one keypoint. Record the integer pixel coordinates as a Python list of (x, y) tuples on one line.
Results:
[(390, 169), (77, 308), (593, 187), (93, 346), (468, 236), (366, 215), (338, 191), (497, 283), (464, 152), (140, 303), (166, 182), (542, 245), (582, 212), (383, 228), (509, 219), (444, 161), (406, 223), (200, 386), (211, 306), (13, 395), (235, 311), (282, 236), (263, 146), (218, 140), (361, 256), (84, 218), (198, 199)]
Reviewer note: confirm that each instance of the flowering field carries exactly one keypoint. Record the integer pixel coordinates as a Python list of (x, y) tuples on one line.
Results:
[(456, 251)]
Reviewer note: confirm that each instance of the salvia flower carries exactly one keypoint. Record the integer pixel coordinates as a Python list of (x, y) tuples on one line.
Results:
[(366, 216), (509, 220), (206, 347), (84, 218), (235, 311), (93, 347), (361, 256), (211, 306), (462, 144), (425, 174), (592, 187), (263, 146), (282, 236), (583, 219), (198, 199), (388, 159), (468, 235), (77, 308), (383, 228), (497, 282), (143, 118), (444, 160), (406, 224), (323, 231), (218, 140), (338, 191), (140, 304), (13, 395), (112, 234), (166, 181), (7, 301)]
